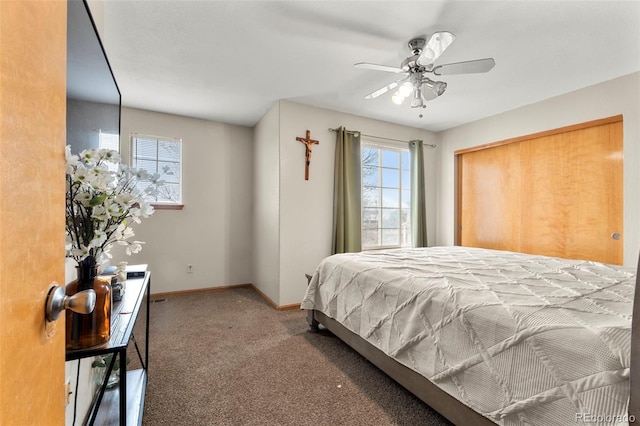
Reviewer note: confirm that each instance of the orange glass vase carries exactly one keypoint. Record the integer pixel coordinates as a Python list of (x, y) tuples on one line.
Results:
[(87, 330)]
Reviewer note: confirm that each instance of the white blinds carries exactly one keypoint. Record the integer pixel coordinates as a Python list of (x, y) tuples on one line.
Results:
[(162, 156)]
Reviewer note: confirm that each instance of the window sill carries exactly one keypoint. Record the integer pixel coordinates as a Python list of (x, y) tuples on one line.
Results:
[(167, 206)]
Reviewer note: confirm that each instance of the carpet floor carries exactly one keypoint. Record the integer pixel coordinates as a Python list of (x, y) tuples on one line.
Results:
[(228, 358)]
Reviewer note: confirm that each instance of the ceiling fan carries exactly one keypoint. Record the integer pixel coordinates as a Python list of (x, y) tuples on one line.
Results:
[(415, 83)]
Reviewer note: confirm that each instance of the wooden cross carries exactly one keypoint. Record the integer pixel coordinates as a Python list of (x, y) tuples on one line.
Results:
[(308, 142)]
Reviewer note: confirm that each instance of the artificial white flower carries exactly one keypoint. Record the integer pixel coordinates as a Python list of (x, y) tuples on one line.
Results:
[(82, 176), (125, 199), (134, 247), (113, 207), (99, 238), (127, 233), (100, 213), (71, 160), (110, 156), (101, 204), (84, 198)]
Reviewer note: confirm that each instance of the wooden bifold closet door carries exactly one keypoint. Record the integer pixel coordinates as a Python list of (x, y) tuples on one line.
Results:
[(556, 193)]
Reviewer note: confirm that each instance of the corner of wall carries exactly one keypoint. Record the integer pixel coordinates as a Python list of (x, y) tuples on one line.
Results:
[(266, 203)]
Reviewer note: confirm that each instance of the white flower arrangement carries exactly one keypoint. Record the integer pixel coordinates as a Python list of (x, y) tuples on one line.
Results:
[(102, 204)]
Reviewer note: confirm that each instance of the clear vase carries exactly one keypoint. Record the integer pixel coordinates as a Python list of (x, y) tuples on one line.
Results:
[(87, 330), (99, 372)]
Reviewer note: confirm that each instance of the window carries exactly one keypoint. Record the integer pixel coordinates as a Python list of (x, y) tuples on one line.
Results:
[(108, 140), (164, 157), (386, 197)]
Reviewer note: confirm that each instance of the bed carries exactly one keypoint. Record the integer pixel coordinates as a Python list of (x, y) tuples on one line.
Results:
[(487, 336)]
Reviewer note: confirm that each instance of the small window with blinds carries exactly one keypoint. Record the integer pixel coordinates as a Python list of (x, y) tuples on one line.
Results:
[(163, 156)]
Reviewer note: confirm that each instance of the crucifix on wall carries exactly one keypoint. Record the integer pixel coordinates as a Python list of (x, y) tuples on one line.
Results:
[(309, 143)]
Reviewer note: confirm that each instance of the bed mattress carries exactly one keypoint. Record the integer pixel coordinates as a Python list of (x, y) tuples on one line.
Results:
[(521, 339)]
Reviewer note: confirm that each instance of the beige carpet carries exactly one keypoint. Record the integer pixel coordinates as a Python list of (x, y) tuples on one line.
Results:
[(228, 358)]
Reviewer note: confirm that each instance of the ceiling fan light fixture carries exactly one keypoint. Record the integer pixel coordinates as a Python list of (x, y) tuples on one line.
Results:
[(417, 101), (438, 87), (397, 98), (405, 89)]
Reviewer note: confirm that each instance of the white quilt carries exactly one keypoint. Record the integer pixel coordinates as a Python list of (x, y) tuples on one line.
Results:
[(521, 339)]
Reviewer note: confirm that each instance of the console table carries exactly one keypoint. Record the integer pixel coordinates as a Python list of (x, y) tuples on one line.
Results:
[(124, 403)]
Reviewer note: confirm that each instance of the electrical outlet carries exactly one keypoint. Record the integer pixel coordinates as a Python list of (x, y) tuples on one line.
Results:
[(189, 269), (67, 391)]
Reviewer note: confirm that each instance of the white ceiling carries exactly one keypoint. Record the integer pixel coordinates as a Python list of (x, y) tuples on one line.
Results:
[(229, 61)]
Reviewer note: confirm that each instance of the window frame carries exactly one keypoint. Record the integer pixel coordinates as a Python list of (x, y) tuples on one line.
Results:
[(160, 205), (400, 148)]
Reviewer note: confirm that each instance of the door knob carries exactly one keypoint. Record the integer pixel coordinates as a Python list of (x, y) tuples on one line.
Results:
[(616, 236), (82, 302)]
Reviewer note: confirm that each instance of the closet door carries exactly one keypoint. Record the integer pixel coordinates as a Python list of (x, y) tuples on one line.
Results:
[(557, 193)]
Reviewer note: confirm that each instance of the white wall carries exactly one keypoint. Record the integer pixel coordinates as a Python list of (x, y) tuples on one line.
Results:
[(266, 204), (618, 96), (306, 207), (214, 230)]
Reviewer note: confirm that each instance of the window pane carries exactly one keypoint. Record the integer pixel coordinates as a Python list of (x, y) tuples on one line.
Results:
[(390, 218), (405, 228), (370, 176), (370, 197), (390, 178), (390, 237), (168, 151), (370, 156), (169, 172), (406, 198), (370, 238), (390, 158), (145, 148), (390, 198), (169, 192), (406, 165), (371, 216), (147, 165), (371, 219), (406, 179)]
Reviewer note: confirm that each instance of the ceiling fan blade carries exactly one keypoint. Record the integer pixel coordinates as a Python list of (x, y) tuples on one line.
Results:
[(376, 67), (383, 90), (468, 67), (437, 44)]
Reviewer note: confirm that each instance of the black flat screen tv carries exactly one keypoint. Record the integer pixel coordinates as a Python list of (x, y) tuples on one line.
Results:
[(93, 96)]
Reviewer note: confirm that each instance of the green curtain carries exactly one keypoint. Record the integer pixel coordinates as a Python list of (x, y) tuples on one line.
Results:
[(347, 201), (418, 203)]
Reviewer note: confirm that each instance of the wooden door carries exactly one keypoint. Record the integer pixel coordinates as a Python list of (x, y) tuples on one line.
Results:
[(32, 140), (557, 193)]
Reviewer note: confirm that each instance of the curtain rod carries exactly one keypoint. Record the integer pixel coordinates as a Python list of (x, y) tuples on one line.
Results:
[(379, 137)]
